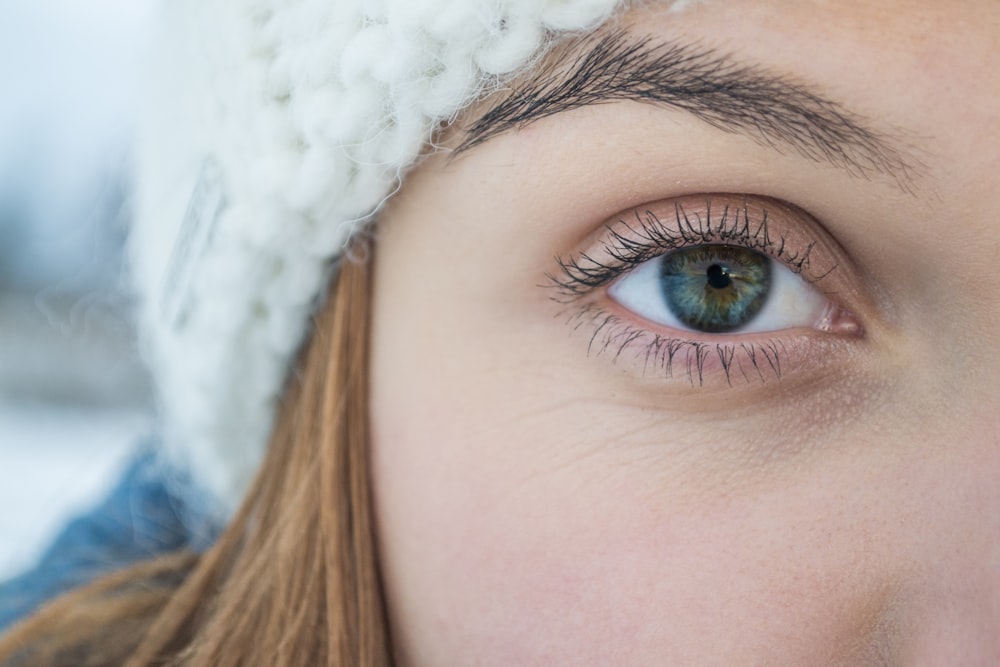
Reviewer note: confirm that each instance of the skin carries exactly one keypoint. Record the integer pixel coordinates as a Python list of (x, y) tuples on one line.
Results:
[(542, 504)]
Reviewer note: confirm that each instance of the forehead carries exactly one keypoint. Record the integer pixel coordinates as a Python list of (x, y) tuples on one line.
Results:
[(897, 48), (935, 36)]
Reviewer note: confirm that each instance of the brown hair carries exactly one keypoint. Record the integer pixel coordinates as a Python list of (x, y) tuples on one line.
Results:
[(293, 580)]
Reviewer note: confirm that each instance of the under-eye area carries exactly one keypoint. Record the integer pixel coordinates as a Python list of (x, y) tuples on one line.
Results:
[(735, 286)]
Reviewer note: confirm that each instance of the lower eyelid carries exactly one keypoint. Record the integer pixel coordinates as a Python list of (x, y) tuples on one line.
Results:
[(725, 361)]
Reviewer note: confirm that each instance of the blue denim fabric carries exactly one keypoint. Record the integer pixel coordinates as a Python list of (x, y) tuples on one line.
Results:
[(140, 519)]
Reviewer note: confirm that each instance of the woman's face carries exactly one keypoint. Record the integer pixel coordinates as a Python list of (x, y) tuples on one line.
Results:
[(593, 445)]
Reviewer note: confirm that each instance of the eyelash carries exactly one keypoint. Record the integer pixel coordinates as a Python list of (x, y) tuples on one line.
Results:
[(583, 274), (648, 236), (612, 333)]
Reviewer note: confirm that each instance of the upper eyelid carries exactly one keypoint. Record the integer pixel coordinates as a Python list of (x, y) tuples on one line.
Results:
[(628, 243)]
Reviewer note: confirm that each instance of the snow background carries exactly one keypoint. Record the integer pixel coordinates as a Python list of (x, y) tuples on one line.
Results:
[(74, 397)]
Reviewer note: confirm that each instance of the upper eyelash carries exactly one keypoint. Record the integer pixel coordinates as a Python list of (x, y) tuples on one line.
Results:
[(650, 237)]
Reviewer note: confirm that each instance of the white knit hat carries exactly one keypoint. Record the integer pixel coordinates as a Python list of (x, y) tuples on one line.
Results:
[(274, 128)]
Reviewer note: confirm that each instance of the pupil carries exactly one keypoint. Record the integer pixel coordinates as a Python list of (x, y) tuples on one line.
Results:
[(718, 277)]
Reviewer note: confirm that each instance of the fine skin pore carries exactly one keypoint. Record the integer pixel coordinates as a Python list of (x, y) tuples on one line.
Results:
[(549, 495)]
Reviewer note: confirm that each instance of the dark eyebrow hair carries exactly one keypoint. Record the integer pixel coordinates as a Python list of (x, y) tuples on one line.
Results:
[(715, 88)]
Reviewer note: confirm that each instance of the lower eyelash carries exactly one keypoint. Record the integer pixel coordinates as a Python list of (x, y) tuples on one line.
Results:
[(758, 361)]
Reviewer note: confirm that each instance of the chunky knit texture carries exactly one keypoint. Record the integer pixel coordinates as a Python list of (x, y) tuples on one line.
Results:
[(275, 128)]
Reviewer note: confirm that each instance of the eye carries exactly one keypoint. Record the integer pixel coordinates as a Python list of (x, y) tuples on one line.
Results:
[(715, 286), (720, 288)]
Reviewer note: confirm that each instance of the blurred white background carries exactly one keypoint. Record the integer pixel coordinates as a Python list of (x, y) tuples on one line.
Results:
[(73, 396)]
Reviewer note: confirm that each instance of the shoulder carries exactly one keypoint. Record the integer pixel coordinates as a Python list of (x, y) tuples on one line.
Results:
[(143, 517)]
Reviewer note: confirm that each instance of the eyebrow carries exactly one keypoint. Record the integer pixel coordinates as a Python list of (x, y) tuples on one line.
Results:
[(736, 98)]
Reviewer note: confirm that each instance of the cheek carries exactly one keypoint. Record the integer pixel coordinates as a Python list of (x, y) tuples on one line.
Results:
[(520, 528), (497, 551)]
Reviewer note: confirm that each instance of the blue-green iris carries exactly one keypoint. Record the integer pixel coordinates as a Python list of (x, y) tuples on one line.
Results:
[(715, 288)]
